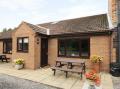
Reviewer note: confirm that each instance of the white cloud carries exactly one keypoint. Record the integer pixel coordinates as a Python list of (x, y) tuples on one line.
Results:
[(37, 11), (85, 9), (74, 1), (15, 11), (21, 4), (80, 12)]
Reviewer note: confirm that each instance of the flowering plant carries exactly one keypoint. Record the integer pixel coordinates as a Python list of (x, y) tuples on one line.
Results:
[(19, 61), (93, 77), (96, 59)]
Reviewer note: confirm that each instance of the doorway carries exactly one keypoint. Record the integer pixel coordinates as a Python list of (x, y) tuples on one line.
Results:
[(44, 52)]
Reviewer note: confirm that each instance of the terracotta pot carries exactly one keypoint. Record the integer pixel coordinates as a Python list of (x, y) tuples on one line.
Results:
[(96, 67)]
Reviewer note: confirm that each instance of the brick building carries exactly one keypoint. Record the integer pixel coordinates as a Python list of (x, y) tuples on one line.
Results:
[(114, 11), (78, 39)]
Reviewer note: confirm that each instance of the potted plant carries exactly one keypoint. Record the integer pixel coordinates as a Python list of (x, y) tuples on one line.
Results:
[(19, 63), (96, 62), (93, 79)]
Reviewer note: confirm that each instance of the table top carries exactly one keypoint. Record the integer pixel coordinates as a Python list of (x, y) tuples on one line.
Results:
[(71, 61), (2, 55)]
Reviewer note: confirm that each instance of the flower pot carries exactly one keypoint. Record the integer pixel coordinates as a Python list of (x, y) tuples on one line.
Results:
[(96, 67), (91, 84), (91, 87), (18, 67)]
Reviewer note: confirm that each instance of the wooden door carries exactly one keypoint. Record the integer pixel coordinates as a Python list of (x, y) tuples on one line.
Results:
[(44, 52)]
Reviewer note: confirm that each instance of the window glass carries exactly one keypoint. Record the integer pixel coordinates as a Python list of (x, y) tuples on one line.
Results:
[(19, 44), (61, 47), (25, 40), (7, 46), (22, 44), (25, 46), (72, 48), (84, 48), (20, 40)]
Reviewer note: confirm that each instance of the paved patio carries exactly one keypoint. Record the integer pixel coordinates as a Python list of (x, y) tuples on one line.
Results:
[(45, 75), (11, 82)]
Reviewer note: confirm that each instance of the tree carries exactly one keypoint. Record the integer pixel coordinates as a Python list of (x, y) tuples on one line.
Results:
[(4, 29), (9, 29)]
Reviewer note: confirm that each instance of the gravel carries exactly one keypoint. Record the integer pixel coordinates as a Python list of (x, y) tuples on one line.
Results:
[(10, 82), (116, 82)]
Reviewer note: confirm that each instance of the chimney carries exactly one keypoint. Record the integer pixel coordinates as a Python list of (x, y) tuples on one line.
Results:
[(48, 31), (109, 22), (118, 11)]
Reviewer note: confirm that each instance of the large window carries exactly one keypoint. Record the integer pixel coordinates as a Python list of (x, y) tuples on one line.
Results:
[(22, 44), (74, 47), (7, 46)]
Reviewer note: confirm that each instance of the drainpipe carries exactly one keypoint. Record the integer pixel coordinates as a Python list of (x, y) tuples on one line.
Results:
[(118, 43), (110, 48)]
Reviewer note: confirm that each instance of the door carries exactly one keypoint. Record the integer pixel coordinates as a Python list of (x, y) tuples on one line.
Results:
[(44, 52)]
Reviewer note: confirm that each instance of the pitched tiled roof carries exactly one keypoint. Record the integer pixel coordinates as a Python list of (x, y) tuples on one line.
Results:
[(95, 23), (38, 29), (6, 35)]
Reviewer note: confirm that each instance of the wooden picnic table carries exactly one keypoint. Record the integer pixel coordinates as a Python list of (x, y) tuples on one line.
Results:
[(3, 57), (70, 63), (69, 68)]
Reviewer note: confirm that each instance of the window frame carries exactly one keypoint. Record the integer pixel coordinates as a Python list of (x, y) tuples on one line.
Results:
[(25, 51), (4, 43), (79, 43)]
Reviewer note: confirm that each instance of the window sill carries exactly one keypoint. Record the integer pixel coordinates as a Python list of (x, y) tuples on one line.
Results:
[(7, 53), (22, 51)]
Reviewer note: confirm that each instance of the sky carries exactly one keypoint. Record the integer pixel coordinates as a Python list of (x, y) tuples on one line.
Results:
[(13, 12)]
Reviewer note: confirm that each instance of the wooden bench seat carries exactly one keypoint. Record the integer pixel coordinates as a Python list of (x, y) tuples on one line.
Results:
[(79, 71), (4, 58)]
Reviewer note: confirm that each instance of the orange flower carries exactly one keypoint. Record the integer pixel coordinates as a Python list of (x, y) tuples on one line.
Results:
[(93, 76)]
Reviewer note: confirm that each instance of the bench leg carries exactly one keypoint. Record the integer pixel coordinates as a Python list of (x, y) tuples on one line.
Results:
[(66, 74), (54, 72), (84, 68), (84, 71), (2, 60), (6, 60), (81, 75)]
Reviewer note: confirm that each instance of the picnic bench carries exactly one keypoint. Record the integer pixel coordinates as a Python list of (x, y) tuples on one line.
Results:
[(4, 58), (70, 64), (79, 71)]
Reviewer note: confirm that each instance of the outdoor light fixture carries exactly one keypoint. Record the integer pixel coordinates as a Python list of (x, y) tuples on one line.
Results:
[(37, 40)]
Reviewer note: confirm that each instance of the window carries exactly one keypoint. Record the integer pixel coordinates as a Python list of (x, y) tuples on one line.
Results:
[(61, 47), (85, 48), (74, 47), (22, 44), (7, 46)]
